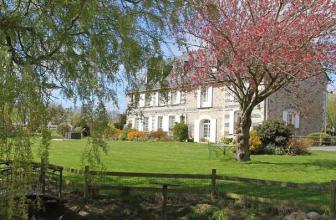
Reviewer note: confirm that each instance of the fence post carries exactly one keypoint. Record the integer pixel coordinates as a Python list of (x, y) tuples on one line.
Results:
[(60, 183), (333, 199), (164, 201), (86, 182), (213, 184)]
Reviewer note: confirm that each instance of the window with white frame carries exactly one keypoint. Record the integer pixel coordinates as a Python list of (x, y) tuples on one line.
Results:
[(183, 98), (136, 123), (145, 123), (159, 122), (153, 124), (292, 117), (206, 129), (148, 98), (174, 98), (171, 122), (204, 95), (153, 99), (162, 99)]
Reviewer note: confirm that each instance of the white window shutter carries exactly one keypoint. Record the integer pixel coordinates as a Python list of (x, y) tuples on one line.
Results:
[(213, 130), (210, 92), (284, 116), (297, 120), (198, 98), (197, 131)]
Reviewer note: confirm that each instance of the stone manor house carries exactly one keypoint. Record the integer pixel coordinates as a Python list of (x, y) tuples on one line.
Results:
[(212, 112)]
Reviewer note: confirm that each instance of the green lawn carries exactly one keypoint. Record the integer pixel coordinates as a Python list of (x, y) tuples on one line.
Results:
[(190, 158), (174, 157)]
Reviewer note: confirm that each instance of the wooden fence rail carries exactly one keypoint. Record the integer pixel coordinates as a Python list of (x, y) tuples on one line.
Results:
[(213, 177)]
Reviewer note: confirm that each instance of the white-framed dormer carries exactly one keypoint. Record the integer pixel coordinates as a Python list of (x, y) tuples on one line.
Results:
[(291, 117), (204, 97)]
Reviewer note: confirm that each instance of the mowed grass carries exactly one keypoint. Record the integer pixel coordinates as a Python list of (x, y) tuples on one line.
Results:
[(191, 158)]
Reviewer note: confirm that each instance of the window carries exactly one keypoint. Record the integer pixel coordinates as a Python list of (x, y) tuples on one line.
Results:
[(292, 117), (206, 129), (174, 98), (162, 99), (148, 98), (159, 122), (153, 99), (171, 122), (136, 124), (183, 98), (227, 125), (153, 124), (182, 119), (145, 123), (204, 95), (226, 116)]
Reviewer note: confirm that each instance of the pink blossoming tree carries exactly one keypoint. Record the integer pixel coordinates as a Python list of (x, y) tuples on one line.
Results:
[(256, 47)]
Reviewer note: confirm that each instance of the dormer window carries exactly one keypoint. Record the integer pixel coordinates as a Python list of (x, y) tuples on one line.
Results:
[(204, 95), (148, 99)]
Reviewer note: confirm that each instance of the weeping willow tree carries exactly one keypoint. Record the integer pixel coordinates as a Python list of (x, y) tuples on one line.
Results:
[(81, 49)]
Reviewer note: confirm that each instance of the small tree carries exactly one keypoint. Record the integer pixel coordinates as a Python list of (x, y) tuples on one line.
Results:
[(255, 48), (180, 132)]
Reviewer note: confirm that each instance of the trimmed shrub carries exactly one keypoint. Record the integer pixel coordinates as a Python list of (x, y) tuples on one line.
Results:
[(180, 132), (63, 128), (273, 132), (319, 138), (132, 135), (255, 144), (158, 135), (296, 147), (226, 140)]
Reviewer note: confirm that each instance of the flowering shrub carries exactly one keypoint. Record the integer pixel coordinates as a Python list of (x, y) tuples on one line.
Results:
[(296, 147), (135, 134), (116, 133), (255, 144), (158, 135)]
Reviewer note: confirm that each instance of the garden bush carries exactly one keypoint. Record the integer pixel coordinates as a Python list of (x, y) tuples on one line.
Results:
[(226, 140), (180, 132), (133, 135), (296, 147), (116, 133), (255, 144), (158, 135), (63, 128), (319, 138), (124, 133), (273, 132)]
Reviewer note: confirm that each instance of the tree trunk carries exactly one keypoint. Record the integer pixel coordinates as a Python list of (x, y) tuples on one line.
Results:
[(243, 136)]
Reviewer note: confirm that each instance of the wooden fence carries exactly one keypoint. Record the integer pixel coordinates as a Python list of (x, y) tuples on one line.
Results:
[(213, 178)]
